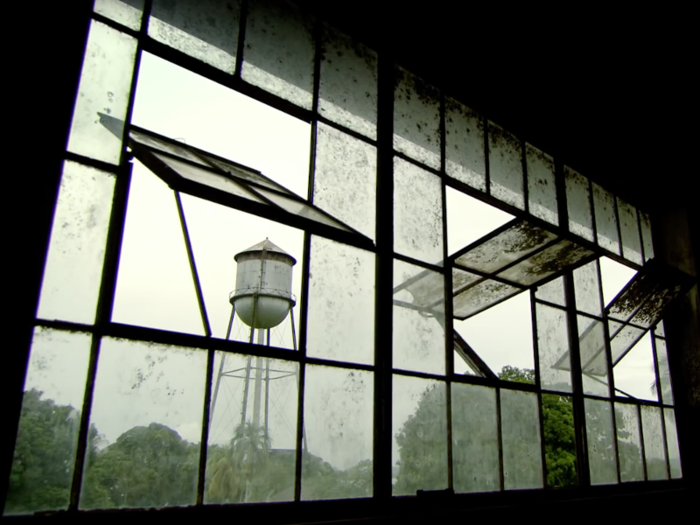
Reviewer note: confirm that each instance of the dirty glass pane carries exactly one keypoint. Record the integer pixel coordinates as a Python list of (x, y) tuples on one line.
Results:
[(154, 284), (629, 442), (417, 119), (654, 447), (76, 251), (594, 364), (338, 420), (348, 87), (417, 213), (664, 377), (659, 330), (505, 166), (126, 12), (559, 440), (552, 292), (674, 454), (204, 29), (520, 430), (623, 337), (553, 349), (462, 279), (419, 330), (579, 204), (340, 321), (251, 452), (279, 51), (631, 247), (345, 179), (474, 439), (147, 412), (649, 313), (481, 296), (587, 289), (602, 462), (105, 86), (464, 145), (509, 246), (419, 448), (605, 219), (648, 244), (632, 296), (47, 437), (426, 289), (541, 185), (555, 258)]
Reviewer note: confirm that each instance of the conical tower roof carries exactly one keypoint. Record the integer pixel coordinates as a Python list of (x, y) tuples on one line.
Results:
[(266, 245)]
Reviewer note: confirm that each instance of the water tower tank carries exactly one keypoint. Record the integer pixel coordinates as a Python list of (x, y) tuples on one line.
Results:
[(263, 294)]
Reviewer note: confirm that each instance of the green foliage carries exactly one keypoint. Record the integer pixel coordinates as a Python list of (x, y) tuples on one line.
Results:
[(559, 440), (511, 373)]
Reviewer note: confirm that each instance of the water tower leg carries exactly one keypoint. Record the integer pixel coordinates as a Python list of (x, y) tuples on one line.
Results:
[(221, 366), (257, 399)]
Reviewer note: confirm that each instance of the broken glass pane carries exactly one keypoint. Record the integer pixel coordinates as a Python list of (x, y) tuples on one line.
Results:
[(559, 440), (629, 229), (579, 204), (614, 277), (340, 319), (474, 439), (552, 292), (648, 244), (348, 88), (417, 213), (251, 454), (126, 12), (479, 297), (522, 452), (464, 145), (505, 166), (555, 258), (587, 289), (654, 446), (105, 87), (553, 349), (629, 442), (419, 331), (419, 450), (73, 270), (541, 185), (602, 462), (509, 246), (605, 219), (594, 363), (279, 51), (623, 337), (345, 179), (664, 376), (417, 119), (635, 374), (338, 420), (204, 29), (674, 454)]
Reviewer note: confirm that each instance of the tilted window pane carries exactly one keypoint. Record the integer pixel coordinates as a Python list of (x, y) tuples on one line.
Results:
[(587, 289), (464, 145), (654, 446), (664, 375), (505, 166), (480, 297), (629, 228), (126, 12), (579, 204), (553, 349), (646, 236), (594, 363), (674, 454), (602, 462), (552, 292), (629, 442), (553, 259), (76, 252), (605, 219), (541, 185), (520, 429), (559, 440)]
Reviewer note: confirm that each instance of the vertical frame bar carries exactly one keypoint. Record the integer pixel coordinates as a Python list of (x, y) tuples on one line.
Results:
[(487, 165), (499, 429), (240, 50), (526, 189), (641, 439), (661, 403), (538, 384)]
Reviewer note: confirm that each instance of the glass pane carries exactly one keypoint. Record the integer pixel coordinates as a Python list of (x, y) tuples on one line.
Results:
[(635, 374), (605, 219), (587, 289), (419, 331), (478, 298), (579, 204), (419, 448), (348, 87), (462, 279), (623, 338), (474, 439), (560, 256), (167, 147), (553, 349), (648, 244), (664, 376), (464, 145), (154, 284), (296, 207), (42, 464), (340, 322), (204, 29), (552, 292), (507, 247), (631, 247), (654, 447), (417, 213), (522, 452), (251, 454), (541, 185), (559, 440), (417, 119), (127, 12), (602, 462), (76, 252), (505, 166), (674, 454), (594, 363), (105, 85), (338, 418), (345, 179), (279, 51), (629, 442), (147, 411)]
